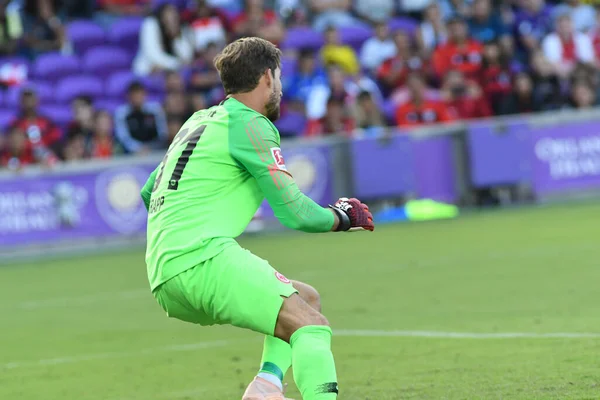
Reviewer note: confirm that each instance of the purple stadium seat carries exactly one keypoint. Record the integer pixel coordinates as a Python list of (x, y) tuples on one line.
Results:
[(52, 66), (61, 115), (6, 117), (355, 36), (302, 38), (408, 25), (291, 124), (108, 104), (126, 33), (180, 4), (44, 92), (186, 74), (13, 59), (71, 87), (104, 60), (85, 34), (118, 82), (230, 15)]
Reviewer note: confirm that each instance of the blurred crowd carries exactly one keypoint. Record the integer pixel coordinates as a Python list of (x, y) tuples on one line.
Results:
[(349, 67)]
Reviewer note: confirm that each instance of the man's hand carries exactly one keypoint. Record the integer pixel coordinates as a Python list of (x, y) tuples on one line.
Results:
[(353, 215)]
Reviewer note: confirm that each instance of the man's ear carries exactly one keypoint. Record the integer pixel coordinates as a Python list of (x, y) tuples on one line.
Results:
[(269, 77)]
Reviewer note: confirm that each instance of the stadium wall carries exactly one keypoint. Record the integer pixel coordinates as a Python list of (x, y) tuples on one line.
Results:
[(96, 205)]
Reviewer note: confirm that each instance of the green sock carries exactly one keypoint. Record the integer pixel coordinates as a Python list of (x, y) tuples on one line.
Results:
[(314, 367), (276, 358)]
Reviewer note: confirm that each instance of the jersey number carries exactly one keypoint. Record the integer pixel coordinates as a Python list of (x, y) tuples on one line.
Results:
[(182, 137)]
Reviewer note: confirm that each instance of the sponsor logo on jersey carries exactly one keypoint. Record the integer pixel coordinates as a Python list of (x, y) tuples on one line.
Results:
[(282, 278), (278, 157)]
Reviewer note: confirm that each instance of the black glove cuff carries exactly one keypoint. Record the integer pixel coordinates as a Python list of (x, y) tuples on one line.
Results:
[(345, 223)]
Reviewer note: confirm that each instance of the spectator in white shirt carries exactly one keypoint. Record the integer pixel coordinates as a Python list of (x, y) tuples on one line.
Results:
[(164, 43), (339, 86), (335, 13), (378, 48), (432, 31), (583, 15), (564, 48), (413, 7), (374, 10)]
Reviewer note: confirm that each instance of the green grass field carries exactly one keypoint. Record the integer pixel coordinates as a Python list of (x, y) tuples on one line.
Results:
[(88, 329)]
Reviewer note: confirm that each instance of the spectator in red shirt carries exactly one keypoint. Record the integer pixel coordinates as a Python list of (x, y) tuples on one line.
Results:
[(460, 52), (419, 110), (208, 24), (394, 71), (102, 143), (465, 99), (495, 75), (125, 7), (110, 11), (337, 120), (255, 20), (16, 152), (42, 134)]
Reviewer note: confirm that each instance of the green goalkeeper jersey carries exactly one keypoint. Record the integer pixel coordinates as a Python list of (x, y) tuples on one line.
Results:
[(221, 165)]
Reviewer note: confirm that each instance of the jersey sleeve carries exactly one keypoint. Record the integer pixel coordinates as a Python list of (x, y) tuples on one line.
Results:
[(255, 145), (147, 189)]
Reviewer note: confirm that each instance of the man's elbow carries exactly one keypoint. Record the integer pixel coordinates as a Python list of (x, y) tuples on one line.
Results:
[(296, 223)]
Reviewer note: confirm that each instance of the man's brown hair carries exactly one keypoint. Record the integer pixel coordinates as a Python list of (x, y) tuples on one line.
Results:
[(243, 62)]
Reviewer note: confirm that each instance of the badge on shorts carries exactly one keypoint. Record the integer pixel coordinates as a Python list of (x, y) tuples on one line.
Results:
[(278, 157), (282, 278)]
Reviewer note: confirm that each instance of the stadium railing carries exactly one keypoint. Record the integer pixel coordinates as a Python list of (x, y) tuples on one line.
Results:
[(96, 204)]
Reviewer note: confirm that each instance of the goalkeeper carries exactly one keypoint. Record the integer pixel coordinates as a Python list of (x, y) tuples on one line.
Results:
[(221, 165)]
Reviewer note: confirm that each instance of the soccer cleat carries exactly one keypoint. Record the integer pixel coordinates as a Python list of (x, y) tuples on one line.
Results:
[(260, 389)]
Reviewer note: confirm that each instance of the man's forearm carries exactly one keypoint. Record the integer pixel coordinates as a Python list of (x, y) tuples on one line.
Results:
[(301, 213)]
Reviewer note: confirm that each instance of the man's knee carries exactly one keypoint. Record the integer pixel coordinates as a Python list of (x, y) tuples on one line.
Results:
[(321, 320), (309, 294), (296, 313)]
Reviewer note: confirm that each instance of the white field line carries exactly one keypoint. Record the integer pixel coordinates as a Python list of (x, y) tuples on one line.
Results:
[(115, 354), (464, 335)]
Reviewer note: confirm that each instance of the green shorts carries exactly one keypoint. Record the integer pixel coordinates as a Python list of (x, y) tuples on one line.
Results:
[(235, 287)]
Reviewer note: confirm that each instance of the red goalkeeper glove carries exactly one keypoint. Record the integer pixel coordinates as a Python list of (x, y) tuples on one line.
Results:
[(353, 215)]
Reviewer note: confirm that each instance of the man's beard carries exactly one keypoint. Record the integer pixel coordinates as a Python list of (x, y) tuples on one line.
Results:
[(272, 108)]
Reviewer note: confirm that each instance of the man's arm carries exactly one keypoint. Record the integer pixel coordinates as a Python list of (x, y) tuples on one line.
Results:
[(256, 148), (146, 192)]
